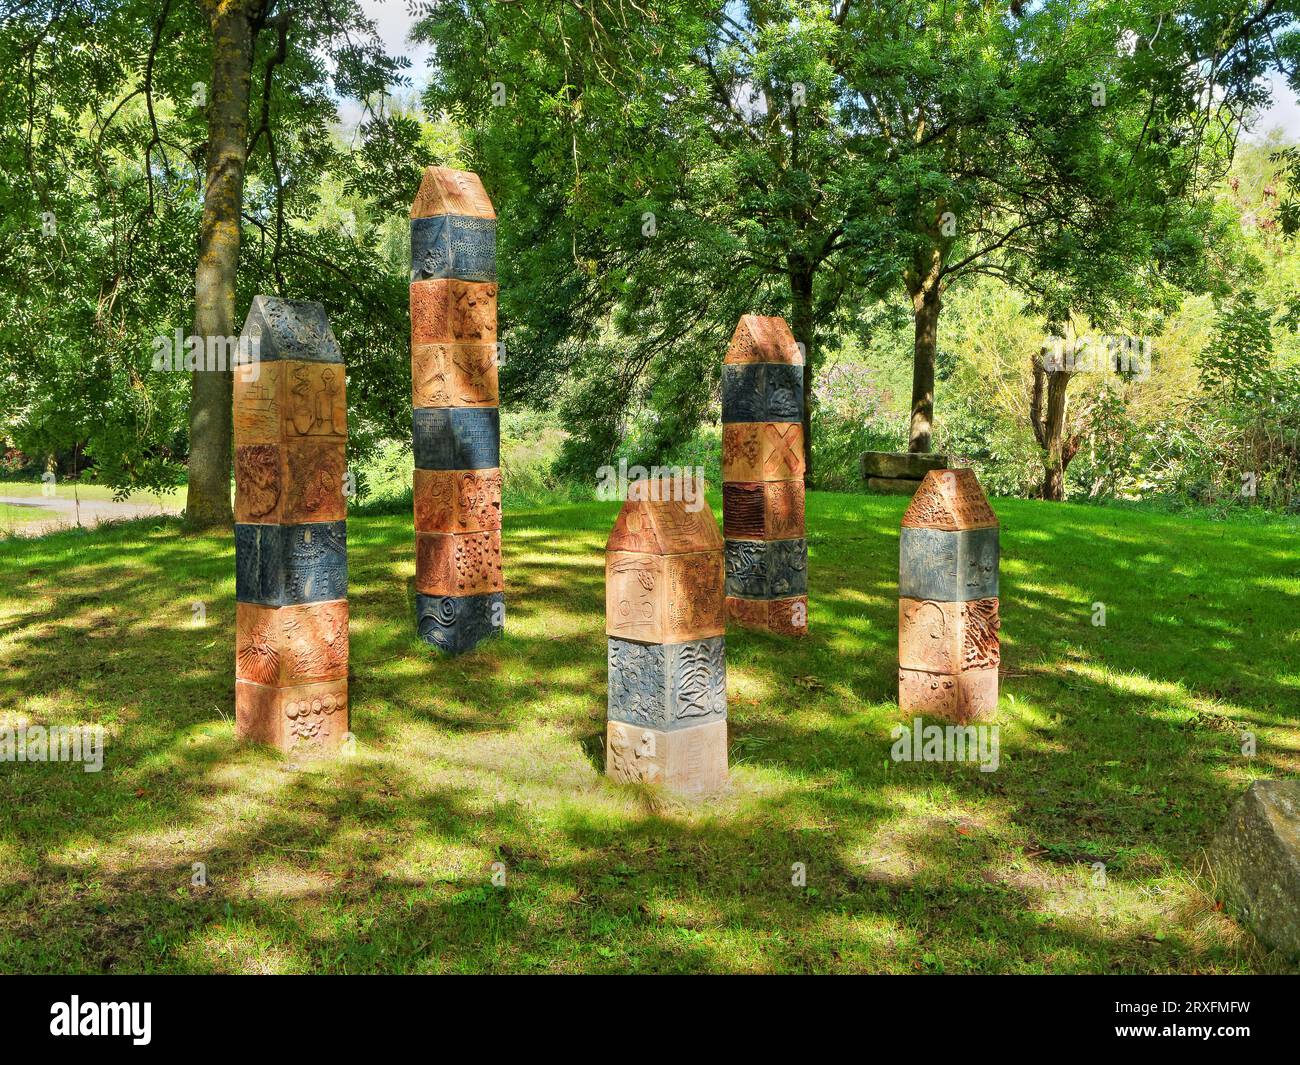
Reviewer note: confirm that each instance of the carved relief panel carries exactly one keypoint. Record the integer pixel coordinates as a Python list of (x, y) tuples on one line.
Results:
[(291, 644)]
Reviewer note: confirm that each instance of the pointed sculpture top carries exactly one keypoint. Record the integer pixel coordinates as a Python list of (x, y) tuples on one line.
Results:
[(655, 523), (447, 191), (291, 329), (763, 339), (950, 500)]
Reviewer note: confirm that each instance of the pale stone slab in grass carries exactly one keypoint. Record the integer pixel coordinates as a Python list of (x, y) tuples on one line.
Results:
[(1256, 858), (892, 486), (901, 464)]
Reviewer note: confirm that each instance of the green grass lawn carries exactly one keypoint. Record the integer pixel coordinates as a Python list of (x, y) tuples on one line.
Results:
[(81, 490), (1119, 744), (14, 517)]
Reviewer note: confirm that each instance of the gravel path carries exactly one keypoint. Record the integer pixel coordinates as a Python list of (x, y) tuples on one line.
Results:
[(62, 512)]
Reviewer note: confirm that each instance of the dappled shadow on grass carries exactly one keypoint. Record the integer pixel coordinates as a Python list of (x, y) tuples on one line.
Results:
[(1116, 747)]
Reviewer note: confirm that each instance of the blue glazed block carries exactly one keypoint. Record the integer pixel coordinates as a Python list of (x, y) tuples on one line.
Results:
[(455, 624), (762, 392), (767, 569), (455, 246), (743, 398), (697, 682), (787, 568), (747, 568), (948, 567), (478, 437), (667, 686), (433, 441), (784, 391), (291, 329), (456, 438), (638, 685), (285, 565)]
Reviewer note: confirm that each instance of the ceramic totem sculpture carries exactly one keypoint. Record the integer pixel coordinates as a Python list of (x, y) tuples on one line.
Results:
[(458, 579), (762, 473), (948, 649), (291, 567), (665, 618)]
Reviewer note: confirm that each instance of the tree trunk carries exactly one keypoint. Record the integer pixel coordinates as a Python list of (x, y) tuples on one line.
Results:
[(1047, 410), (801, 324), (926, 304), (208, 499)]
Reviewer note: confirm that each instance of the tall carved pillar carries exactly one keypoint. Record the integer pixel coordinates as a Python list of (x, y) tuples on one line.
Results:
[(948, 647), (458, 579), (665, 619), (291, 566), (762, 474)]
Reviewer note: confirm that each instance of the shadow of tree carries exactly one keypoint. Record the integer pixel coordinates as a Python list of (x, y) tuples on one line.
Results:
[(1118, 745)]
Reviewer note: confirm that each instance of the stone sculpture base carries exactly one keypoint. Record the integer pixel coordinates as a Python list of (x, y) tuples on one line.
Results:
[(308, 719), (690, 761), (958, 697)]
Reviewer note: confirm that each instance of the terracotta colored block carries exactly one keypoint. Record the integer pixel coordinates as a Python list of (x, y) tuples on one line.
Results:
[(290, 329), (447, 191), (690, 761), (785, 509), (304, 720), (959, 697), (457, 500), (434, 495), (454, 375), (742, 451), (663, 527), (748, 613), (314, 400), (282, 565), (785, 617), (763, 510), (744, 510), (634, 595), (782, 451), (291, 644), (456, 624), (788, 617), (948, 567), (314, 474), (696, 606), (667, 686), (664, 598), (454, 245), (762, 451), (767, 569), (951, 500), (947, 637), (458, 564), (257, 404), (763, 339), (762, 392), (446, 310), (259, 484)]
